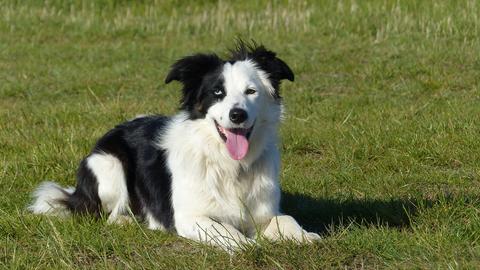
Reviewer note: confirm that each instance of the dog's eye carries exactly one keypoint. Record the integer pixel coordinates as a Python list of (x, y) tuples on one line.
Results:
[(250, 91), (218, 92)]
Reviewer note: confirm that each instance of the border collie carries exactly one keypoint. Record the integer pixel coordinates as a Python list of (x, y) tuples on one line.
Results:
[(210, 172)]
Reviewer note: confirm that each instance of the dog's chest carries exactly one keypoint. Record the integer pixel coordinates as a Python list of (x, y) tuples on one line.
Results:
[(238, 197), (229, 187), (206, 181)]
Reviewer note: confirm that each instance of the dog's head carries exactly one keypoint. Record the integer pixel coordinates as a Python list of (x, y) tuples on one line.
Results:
[(237, 95)]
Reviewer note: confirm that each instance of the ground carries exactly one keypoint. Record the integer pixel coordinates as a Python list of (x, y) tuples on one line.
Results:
[(380, 147)]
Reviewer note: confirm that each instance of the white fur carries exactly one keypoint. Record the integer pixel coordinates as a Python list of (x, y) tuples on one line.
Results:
[(112, 187), (47, 199)]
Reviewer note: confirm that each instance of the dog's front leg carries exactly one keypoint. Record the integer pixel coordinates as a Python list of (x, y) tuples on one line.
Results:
[(206, 230), (285, 227)]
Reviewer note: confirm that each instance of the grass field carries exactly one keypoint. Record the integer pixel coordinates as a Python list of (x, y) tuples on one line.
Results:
[(380, 146)]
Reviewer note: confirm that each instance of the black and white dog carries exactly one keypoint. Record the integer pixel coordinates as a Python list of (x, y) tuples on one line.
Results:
[(210, 172)]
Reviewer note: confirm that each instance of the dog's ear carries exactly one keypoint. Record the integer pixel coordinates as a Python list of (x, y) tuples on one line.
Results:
[(269, 62), (191, 69)]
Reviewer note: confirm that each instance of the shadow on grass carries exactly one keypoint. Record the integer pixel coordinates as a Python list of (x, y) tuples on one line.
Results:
[(319, 214)]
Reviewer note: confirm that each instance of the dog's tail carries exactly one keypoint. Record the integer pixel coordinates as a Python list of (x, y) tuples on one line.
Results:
[(51, 199)]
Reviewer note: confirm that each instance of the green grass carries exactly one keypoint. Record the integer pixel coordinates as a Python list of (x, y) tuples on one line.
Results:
[(380, 144)]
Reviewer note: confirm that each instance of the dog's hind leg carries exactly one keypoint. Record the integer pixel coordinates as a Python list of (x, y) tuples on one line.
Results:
[(112, 186), (52, 199)]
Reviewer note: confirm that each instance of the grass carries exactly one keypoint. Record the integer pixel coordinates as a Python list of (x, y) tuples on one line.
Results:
[(380, 144)]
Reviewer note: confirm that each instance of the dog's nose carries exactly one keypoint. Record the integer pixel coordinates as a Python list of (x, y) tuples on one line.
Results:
[(238, 116)]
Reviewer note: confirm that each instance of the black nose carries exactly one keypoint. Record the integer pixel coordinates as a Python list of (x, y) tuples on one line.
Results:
[(238, 116)]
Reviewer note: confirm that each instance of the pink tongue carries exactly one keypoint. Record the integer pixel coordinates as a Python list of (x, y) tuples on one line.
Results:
[(237, 144)]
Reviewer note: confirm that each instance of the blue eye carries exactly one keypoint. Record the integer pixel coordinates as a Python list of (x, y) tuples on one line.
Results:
[(218, 92)]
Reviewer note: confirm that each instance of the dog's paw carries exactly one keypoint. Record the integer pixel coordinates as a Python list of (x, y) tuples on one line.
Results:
[(286, 228), (311, 237)]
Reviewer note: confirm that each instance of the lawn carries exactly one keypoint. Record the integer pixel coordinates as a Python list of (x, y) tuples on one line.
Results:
[(380, 144)]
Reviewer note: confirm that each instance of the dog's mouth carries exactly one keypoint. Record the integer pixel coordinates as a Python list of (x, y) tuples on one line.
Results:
[(236, 140)]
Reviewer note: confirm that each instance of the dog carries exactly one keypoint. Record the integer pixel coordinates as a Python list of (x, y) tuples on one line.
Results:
[(210, 173)]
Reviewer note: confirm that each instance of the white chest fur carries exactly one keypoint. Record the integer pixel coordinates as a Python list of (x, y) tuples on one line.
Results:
[(207, 182)]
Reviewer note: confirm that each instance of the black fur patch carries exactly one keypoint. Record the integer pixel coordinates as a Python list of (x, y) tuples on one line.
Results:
[(144, 164), (200, 75)]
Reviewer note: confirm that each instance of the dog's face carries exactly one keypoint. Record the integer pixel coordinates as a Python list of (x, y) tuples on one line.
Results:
[(233, 95)]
